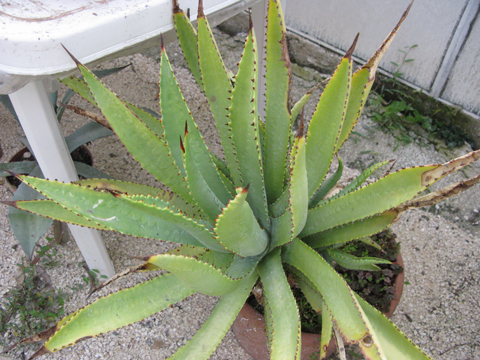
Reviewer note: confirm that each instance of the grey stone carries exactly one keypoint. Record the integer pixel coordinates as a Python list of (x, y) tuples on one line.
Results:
[(308, 54)]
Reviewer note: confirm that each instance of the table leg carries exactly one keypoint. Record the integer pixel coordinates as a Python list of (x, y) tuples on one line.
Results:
[(43, 132)]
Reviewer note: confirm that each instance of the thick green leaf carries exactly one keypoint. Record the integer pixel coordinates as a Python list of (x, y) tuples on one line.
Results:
[(199, 275), (244, 124), (351, 262), (81, 88), (277, 114), (51, 210), (200, 190), (327, 185), (394, 343), (187, 37), (174, 203), (298, 186), (122, 308), (175, 117), (219, 260), (175, 220), (355, 230), (335, 292), (198, 151), (175, 113), (326, 123), (221, 165), (238, 229), (28, 228), (317, 303), (206, 340), (87, 133), (147, 117), (362, 82), (281, 204), (218, 91), (284, 321), (22, 167), (124, 187), (290, 210), (119, 213), (382, 195), (356, 183), (243, 266), (145, 146), (282, 229), (88, 171), (299, 105)]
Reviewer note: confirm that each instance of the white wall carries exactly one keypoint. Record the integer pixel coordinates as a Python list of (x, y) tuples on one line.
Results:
[(447, 32)]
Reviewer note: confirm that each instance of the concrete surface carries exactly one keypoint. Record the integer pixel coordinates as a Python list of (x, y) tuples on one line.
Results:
[(439, 310)]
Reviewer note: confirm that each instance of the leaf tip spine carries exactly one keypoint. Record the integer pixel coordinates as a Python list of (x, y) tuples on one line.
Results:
[(200, 9), (176, 7), (348, 54), (9, 203), (78, 63), (250, 21)]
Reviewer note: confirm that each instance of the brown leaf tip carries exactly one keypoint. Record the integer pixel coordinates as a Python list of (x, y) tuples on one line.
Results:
[(78, 63), (250, 21), (162, 44), (12, 173), (245, 189), (350, 51), (176, 7), (301, 129), (42, 351), (9, 203), (200, 9)]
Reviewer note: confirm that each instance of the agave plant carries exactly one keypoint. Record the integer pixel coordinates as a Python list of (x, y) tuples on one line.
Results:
[(262, 211)]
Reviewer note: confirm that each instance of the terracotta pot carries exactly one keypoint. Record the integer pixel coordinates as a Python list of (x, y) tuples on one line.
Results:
[(249, 327), (81, 154)]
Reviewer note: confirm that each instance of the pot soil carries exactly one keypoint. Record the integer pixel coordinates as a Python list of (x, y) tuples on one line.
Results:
[(80, 154), (382, 289)]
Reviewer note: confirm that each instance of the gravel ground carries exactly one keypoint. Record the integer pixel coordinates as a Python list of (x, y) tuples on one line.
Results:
[(439, 309)]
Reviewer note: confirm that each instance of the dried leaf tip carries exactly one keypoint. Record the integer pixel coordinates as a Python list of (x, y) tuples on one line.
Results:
[(78, 63), (250, 21), (12, 173), (176, 7), (9, 203), (162, 44), (301, 131), (42, 351), (200, 9), (245, 189), (350, 51), (372, 64)]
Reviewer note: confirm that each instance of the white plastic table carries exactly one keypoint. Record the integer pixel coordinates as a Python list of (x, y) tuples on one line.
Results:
[(31, 55)]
